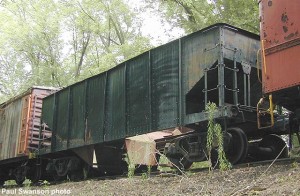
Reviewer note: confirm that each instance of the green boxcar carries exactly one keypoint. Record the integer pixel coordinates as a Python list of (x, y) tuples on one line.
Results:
[(163, 88)]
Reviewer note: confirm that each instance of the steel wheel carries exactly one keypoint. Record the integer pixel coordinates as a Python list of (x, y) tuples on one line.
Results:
[(181, 163), (20, 175), (276, 144), (76, 175), (19, 181), (3, 177), (35, 174), (238, 145), (58, 178)]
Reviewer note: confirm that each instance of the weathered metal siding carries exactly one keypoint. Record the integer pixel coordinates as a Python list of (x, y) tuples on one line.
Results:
[(239, 46), (165, 86), (156, 90), (62, 119), (211, 60), (200, 51), (20, 124), (115, 119), (95, 109), (10, 123), (77, 115), (242, 49), (280, 35), (138, 95), (48, 112)]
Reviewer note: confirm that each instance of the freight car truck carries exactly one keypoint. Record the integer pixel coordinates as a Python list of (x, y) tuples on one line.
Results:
[(280, 40), (160, 97), (20, 134)]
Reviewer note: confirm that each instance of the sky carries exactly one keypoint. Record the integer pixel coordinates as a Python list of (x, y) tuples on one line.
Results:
[(155, 26)]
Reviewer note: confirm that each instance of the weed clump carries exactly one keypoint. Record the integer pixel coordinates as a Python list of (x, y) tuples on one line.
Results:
[(214, 133)]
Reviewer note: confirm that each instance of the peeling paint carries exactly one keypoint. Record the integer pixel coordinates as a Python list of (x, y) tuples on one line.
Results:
[(284, 18), (290, 36), (282, 25), (270, 3)]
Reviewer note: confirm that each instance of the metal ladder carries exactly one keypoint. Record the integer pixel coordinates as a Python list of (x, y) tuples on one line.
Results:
[(265, 113), (25, 116), (37, 132)]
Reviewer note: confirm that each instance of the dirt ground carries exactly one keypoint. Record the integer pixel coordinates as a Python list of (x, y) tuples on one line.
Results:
[(276, 179)]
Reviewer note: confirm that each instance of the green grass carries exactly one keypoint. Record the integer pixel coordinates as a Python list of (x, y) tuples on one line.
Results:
[(200, 165)]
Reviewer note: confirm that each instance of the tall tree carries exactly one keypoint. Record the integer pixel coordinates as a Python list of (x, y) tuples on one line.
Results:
[(56, 43), (193, 15), (104, 33)]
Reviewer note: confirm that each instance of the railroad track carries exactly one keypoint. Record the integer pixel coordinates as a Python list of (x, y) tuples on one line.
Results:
[(268, 162), (257, 163), (175, 172)]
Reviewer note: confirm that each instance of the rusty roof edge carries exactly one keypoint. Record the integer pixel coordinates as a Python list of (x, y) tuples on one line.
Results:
[(26, 92), (45, 88)]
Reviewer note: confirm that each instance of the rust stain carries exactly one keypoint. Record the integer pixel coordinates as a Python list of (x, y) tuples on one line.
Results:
[(282, 26), (284, 18), (276, 41), (270, 3), (290, 36)]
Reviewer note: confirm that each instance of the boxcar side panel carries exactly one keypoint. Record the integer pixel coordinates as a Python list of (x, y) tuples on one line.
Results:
[(95, 109), (77, 121), (62, 119), (115, 121), (49, 117), (137, 94), (165, 86), (10, 122)]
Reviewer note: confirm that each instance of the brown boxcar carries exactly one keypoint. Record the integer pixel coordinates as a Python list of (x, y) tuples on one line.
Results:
[(280, 36), (20, 124)]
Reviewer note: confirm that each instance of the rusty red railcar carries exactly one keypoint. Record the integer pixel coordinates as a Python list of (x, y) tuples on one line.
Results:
[(280, 38), (20, 130)]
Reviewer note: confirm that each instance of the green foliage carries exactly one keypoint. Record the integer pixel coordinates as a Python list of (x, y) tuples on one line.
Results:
[(146, 175), (149, 170), (193, 15), (163, 160), (200, 165), (45, 183), (56, 43), (10, 183), (131, 169), (295, 164), (27, 183), (214, 133)]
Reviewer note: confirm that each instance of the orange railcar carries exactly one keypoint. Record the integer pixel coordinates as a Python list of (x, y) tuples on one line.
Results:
[(280, 38)]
